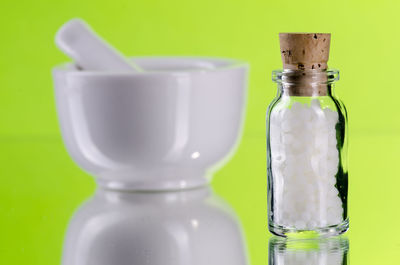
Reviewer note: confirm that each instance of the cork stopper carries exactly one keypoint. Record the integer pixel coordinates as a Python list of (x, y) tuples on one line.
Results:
[(304, 51)]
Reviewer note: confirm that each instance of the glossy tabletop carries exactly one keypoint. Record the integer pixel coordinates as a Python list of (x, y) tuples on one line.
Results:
[(42, 190)]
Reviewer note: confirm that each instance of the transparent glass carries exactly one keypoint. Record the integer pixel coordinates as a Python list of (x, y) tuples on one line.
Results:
[(307, 155), (321, 251)]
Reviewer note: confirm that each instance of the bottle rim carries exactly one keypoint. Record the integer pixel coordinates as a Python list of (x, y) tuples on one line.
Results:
[(313, 75)]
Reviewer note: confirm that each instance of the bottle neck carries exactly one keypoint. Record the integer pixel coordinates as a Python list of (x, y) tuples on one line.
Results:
[(305, 83)]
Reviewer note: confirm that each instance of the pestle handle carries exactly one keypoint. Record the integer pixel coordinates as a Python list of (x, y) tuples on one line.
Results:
[(91, 53)]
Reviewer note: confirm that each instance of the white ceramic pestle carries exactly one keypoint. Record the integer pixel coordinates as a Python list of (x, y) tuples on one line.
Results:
[(90, 52)]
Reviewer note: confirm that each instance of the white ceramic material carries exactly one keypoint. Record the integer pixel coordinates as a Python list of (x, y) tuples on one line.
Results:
[(88, 50), (169, 127), (191, 227)]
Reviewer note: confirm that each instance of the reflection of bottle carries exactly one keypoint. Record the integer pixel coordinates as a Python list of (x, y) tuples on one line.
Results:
[(191, 227), (322, 251), (307, 142)]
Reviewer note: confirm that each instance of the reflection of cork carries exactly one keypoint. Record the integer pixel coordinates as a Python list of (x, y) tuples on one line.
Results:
[(301, 51)]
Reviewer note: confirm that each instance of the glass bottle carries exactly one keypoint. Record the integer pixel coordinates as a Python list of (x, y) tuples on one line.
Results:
[(307, 154)]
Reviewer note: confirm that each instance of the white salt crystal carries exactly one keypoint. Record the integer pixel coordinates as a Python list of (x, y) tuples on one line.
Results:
[(305, 159), (274, 117), (296, 106), (315, 104), (331, 116), (287, 126)]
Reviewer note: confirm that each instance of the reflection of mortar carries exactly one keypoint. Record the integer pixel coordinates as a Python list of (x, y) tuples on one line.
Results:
[(165, 128), (189, 227)]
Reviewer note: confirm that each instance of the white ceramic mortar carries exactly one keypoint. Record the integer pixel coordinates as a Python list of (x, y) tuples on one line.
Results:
[(169, 127)]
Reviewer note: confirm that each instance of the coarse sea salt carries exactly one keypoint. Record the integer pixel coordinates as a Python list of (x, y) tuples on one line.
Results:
[(304, 163)]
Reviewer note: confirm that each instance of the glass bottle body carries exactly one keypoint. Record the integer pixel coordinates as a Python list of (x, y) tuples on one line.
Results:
[(307, 155)]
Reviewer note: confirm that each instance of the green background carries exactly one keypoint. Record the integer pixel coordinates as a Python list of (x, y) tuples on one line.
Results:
[(41, 187)]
